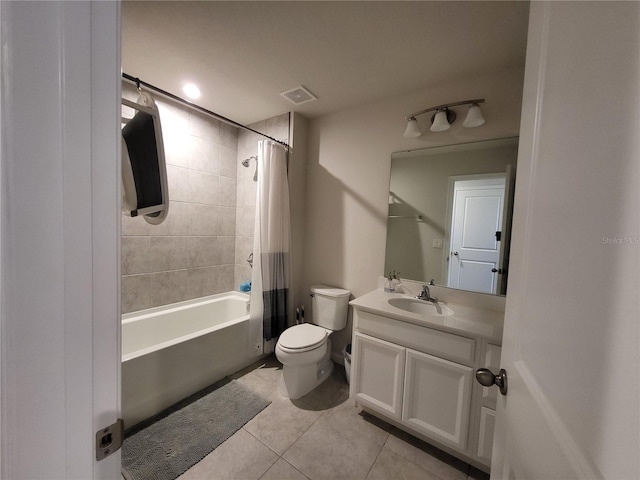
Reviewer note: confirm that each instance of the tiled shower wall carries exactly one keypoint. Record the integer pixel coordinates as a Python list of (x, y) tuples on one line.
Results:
[(275, 127), (192, 253)]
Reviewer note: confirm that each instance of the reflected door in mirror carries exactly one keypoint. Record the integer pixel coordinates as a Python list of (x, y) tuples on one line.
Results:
[(478, 205)]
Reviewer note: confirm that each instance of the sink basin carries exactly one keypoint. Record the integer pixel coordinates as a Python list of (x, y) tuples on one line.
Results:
[(421, 307)]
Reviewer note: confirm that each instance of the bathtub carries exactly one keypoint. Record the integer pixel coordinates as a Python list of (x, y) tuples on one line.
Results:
[(173, 351)]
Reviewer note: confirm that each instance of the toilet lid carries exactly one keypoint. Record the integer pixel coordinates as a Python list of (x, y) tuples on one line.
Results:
[(301, 336)]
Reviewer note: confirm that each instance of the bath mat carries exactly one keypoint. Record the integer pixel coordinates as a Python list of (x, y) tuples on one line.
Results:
[(168, 444)]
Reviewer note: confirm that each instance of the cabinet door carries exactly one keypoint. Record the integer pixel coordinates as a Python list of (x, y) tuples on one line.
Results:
[(437, 396), (492, 362), (378, 374), (485, 437)]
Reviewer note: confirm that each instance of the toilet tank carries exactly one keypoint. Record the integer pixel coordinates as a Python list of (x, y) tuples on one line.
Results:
[(330, 306)]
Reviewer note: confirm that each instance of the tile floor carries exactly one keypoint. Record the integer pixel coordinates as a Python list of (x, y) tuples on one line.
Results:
[(323, 435)]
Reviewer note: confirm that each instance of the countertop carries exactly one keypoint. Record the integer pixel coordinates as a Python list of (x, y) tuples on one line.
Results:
[(464, 320)]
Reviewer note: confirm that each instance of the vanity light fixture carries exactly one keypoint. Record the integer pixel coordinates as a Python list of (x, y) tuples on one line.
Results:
[(444, 117)]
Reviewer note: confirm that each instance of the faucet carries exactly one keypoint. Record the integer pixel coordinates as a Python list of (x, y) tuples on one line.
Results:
[(426, 295)]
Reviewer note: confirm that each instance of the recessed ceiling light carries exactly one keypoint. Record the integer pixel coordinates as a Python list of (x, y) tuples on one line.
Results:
[(191, 90)]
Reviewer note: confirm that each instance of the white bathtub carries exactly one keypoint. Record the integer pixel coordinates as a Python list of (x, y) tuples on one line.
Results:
[(173, 351)]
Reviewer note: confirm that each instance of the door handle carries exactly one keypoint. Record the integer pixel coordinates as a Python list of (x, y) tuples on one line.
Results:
[(455, 253), (486, 378), (496, 270)]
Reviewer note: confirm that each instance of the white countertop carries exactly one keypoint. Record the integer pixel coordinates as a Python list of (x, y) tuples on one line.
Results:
[(464, 319)]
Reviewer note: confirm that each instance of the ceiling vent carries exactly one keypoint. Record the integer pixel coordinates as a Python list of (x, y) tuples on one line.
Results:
[(299, 95)]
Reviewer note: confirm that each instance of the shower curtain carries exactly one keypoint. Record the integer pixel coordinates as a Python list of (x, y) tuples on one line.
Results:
[(271, 244)]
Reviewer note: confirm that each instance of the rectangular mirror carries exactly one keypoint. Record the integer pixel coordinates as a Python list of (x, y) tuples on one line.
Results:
[(450, 214)]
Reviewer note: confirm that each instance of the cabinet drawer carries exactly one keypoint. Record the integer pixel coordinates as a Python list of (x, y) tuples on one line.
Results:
[(427, 340)]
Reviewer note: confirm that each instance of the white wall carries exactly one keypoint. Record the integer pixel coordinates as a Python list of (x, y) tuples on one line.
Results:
[(349, 158)]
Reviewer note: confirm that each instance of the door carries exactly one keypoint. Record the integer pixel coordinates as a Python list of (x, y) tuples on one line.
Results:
[(437, 398), (571, 335), (60, 237), (378, 374), (477, 213)]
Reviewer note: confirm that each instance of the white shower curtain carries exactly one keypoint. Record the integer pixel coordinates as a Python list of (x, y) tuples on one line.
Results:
[(271, 245)]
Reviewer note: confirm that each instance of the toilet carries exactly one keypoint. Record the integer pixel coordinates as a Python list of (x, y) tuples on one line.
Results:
[(305, 349)]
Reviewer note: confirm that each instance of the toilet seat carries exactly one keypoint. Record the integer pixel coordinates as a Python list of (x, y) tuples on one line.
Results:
[(302, 338)]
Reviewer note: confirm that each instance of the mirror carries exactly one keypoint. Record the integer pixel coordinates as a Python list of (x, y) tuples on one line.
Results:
[(450, 214)]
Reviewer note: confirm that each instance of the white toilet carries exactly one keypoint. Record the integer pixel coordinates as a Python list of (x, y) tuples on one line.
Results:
[(305, 350)]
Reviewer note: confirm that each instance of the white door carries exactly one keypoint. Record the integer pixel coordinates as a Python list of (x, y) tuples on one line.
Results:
[(572, 335), (60, 237), (478, 206)]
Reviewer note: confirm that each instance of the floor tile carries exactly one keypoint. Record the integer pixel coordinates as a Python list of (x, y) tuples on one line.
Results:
[(390, 465), (340, 445), (281, 423), (241, 457), (333, 391), (283, 470), (322, 435), (256, 383), (427, 457)]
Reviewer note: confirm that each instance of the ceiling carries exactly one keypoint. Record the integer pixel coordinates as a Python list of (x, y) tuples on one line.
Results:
[(243, 54)]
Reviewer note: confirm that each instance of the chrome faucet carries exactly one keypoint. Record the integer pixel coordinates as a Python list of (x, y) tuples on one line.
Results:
[(426, 295)]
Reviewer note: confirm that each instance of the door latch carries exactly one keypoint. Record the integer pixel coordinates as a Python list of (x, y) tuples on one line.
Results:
[(109, 439)]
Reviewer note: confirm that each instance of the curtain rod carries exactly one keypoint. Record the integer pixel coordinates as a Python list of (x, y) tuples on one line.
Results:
[(226, 120)]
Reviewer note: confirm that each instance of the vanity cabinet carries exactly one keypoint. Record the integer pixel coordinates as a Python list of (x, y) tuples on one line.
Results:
[(380, 378), (437, 398), (421, 379)]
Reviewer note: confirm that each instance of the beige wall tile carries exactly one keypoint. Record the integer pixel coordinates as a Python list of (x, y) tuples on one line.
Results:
[(177, 221), (227, 197), (204, 188), (228, 161), (204, 155), (226, 221), (226, 247), (278, 127), (135, 255), (168, 253), (202, 219), (228, 135), (204, 126), (178, 179), (176, 147), (204, 251)]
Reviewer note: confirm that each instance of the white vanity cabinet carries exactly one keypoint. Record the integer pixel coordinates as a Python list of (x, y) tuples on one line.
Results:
[(421, 379), (380, 378), (437, 398)]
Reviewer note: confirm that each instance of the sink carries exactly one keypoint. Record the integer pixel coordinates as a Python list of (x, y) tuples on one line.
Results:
[(421, 307)]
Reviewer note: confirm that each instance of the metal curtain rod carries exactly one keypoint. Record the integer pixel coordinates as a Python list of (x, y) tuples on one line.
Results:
[(226, 120)]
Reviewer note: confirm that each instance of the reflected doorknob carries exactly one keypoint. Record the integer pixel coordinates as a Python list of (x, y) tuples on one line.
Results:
[(486, 378)]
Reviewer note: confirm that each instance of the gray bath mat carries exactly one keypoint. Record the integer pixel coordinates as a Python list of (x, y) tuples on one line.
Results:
[(168, 444)]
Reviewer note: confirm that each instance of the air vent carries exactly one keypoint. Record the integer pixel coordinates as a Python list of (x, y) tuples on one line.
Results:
[(299, 95)]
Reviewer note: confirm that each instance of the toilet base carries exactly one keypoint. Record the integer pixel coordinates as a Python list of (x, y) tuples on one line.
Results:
[(297, 381)]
